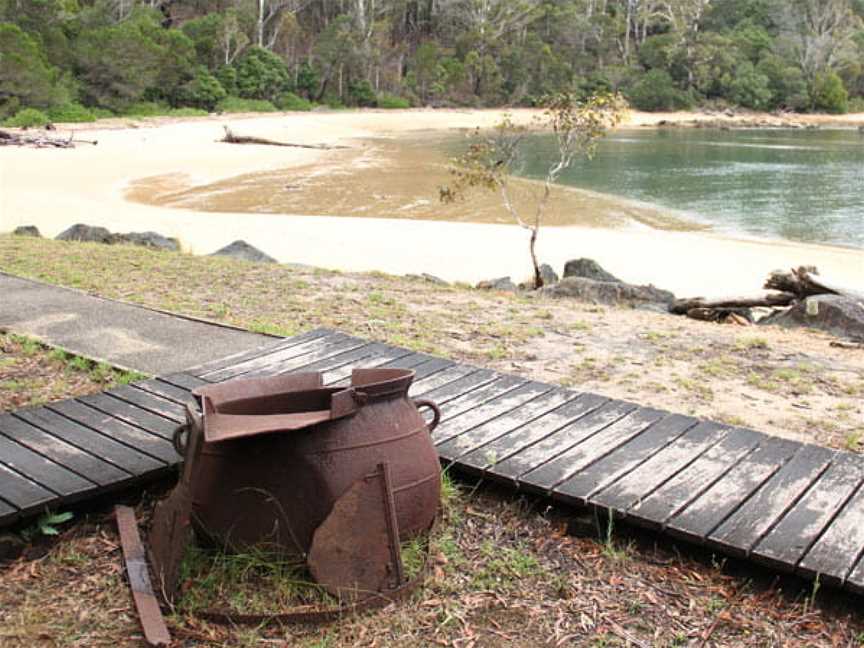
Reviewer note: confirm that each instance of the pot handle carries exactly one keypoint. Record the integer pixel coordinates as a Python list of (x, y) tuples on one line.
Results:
[(436, 412)]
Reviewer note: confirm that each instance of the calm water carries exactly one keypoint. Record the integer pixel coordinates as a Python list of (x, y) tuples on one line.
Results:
[(798, 185)]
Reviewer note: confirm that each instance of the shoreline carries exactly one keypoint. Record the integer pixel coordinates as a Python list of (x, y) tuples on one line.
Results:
[(57, 188)]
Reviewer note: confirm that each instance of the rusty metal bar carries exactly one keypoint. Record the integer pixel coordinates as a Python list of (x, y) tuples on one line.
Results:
[(392, 524), (152, 622)]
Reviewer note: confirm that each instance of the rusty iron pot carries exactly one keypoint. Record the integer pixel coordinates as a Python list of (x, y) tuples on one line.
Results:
[(277, 453)]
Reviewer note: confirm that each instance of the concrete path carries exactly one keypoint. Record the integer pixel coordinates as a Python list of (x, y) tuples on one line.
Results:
[(122, 334)]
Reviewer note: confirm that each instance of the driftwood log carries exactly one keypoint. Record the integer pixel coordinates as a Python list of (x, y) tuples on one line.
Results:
[(684, 306), (40, 140), (805, 281), (232, 138)]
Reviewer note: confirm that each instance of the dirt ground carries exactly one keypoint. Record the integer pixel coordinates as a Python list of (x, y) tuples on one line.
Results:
[(505, 571)]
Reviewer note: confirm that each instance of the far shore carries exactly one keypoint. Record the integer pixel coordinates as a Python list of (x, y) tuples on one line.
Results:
[(54, 189)]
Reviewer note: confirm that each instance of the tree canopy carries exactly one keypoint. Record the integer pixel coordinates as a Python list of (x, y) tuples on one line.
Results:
[(660, 54)]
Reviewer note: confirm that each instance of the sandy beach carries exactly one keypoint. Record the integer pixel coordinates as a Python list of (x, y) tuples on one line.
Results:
[(54, 189)]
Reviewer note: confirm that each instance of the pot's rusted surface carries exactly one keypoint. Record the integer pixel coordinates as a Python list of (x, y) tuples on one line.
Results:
[(279, 452)]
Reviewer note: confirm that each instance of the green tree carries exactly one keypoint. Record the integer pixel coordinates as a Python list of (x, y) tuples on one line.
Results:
[(26, 78), (749, 88), (655, 91), (262, 75), (829, 94), (576, 125)]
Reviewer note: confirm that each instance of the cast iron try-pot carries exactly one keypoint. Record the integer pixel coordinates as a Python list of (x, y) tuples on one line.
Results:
[(277, 453)]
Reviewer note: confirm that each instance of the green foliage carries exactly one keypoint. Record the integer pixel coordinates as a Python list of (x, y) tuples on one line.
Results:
[(26, 78), (46, 525), (655, 91), (749, 88), (262, 75), (68, 113), (360, 93), (393, 102), (290, 101), (307, 80), (204, 91), (240, 105), (146, 109), (829, 94), (27, 118)]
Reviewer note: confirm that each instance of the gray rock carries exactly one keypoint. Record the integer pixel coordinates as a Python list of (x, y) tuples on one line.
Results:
[(841, 316), (588, 269), (27, 230), (88, 233), (242, 250), (502, 283), (429, 278), (548, 275), (608, 292), (149, 240)]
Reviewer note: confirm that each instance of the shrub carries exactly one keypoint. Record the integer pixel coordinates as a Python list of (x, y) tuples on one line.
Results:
[(69, 113), (262, 75), (856, 105), (749, 88), (829, 94), (102, 113), (27, 118), (657, 91), (146, 109), (204, 91), (290, 101), (392, 102), (187, 112), (238, 105), (361, 93)]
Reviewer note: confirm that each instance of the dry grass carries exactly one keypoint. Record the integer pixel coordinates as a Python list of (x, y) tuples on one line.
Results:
[(789, 383)]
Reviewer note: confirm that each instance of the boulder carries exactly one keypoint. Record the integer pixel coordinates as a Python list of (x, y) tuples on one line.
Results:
[(607, 292), (27, 230), (150, 240), (502, 283), (588, 269), (548, 274), (835, 314), (242, 250), (428, 278), (88, 233)]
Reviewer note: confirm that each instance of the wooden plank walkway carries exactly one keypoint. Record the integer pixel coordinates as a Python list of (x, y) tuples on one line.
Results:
[(794, 507)]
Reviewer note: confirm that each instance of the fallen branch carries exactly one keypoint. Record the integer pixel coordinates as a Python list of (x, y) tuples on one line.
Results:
[(683, 306), (40, 141), (231, 138), (805, 281)]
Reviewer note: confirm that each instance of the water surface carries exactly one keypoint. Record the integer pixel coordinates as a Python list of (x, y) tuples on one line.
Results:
[(796, 185)]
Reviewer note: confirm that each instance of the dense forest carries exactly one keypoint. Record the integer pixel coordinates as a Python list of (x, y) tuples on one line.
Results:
[(68, 60)]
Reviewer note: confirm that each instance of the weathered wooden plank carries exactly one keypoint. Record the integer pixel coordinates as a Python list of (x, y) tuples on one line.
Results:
[(592, 449), (113, 451), (306, 352), (448, 380), (353, 353), (465, 445), (46, 473), (71, 457), (21, 492), (724, 497), (746, 526), (660, 467), (8, 513), (300, 362), (150, 402), (383, 359), (692, 480), (563, 439), (426, 368), (456, 404), (832, 558), (263, 349), (855, 580), (153, 445), (130, 413), (185, 381), (501, 457), (497, 407), (594, 478), (790, 539), (179, 395)]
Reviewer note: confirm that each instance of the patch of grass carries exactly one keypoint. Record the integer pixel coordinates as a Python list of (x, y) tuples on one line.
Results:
[(751, 343)]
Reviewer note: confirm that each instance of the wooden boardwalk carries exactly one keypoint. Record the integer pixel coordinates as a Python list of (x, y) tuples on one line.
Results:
[(795, 507)]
